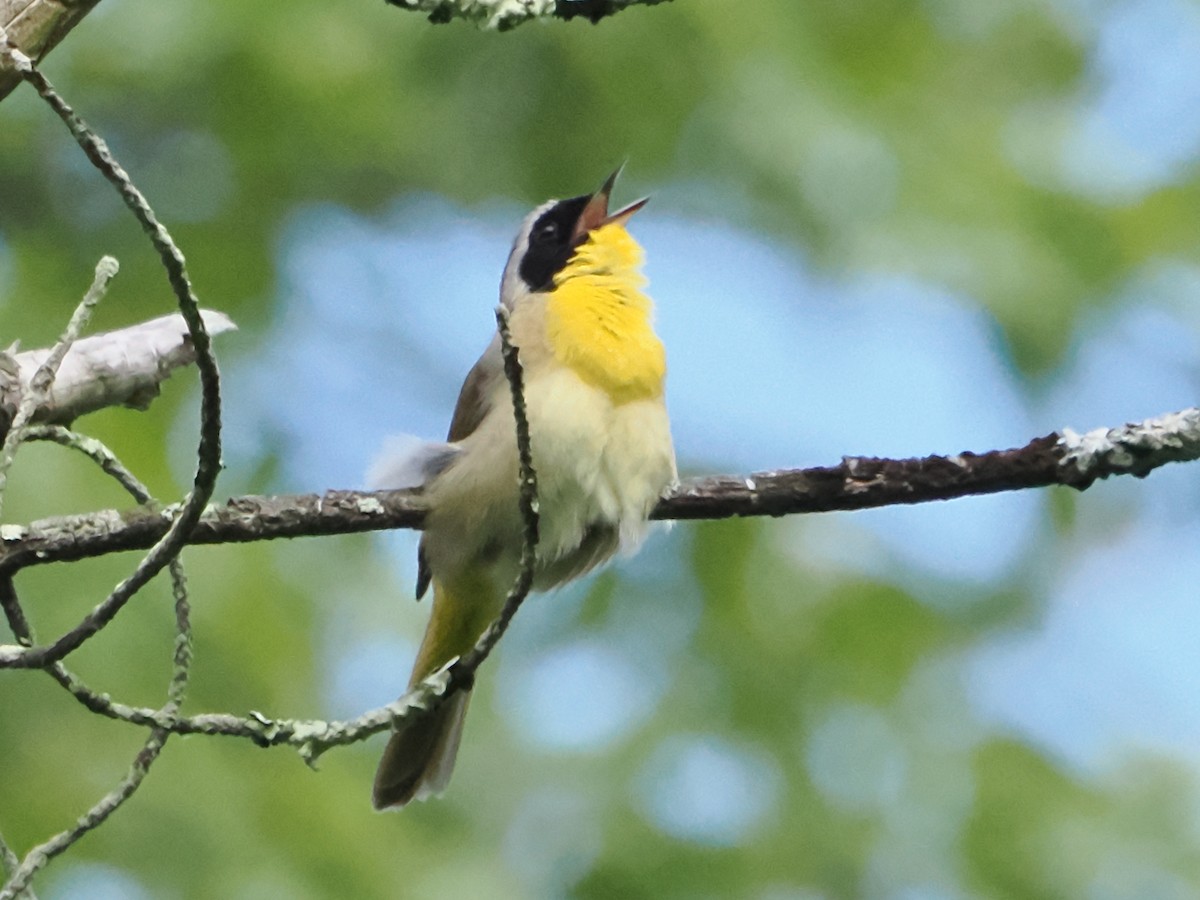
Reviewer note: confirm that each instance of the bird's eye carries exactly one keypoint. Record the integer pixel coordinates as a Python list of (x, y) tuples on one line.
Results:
[(546, 233)]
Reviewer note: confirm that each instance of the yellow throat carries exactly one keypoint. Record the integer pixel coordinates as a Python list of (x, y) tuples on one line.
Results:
[(599, 322)]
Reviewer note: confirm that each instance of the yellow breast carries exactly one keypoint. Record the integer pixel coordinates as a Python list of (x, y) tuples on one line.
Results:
[(599, 323)]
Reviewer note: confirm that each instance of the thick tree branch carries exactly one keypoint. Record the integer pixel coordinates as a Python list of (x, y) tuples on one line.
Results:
[(36, 26), (125, 367), (505, 14), (855, 483)]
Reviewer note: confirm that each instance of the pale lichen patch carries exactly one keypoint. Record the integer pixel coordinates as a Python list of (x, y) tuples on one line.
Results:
[(369, 506), (1137, 447), (13, 532)]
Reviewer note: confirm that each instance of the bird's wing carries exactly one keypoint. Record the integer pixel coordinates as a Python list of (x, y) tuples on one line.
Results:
[(475, 397), (474, 401)]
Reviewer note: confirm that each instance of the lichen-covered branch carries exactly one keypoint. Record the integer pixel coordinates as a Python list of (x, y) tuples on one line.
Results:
[(239, 520), (36, 26), (857, 482), (1134, 449), (125, 367), (504, 14), (310, 737)]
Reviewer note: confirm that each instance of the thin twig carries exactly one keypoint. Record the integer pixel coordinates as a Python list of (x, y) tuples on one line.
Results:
[(18, 624), (9, 863), (209, 451), (9, 859), (33, 397), (311, 737), (528, 501), (460, 673), (95, 450), (161, 719), (166, 718), (40, 856), (37, 858), (43, 379)]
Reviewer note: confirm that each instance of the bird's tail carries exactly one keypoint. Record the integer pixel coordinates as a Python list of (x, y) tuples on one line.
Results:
[(420, 754)]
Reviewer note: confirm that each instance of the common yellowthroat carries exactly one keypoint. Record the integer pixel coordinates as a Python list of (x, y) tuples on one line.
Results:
[(599, 437)]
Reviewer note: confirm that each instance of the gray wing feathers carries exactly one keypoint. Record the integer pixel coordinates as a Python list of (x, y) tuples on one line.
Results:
[(474, 401), (475, 397)]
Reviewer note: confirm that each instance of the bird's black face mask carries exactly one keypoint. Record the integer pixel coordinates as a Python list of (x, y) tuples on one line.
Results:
[(552, 242)]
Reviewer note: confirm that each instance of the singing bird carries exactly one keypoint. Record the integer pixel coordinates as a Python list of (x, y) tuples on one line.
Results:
[(599, 437)]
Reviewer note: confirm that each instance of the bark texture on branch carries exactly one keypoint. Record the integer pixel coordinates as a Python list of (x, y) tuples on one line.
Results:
[(856, 483), (36, 26), (504, 14)]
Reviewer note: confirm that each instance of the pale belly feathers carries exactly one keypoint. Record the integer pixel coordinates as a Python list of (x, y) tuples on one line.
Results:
[(601, 468)]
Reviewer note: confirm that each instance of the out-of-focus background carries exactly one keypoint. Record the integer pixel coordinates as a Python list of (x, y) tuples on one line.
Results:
[(886, 228)]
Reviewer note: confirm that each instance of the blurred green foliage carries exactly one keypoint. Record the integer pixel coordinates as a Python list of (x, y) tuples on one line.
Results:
[(869, 133)]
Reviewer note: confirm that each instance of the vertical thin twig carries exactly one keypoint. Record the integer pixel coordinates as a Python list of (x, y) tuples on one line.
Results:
[(21, 871), (43, 378), (9, 863), (528, 504), (17, 623)]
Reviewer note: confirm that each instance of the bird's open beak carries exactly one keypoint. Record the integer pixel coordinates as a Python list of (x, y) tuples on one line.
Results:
[(596, 214)]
